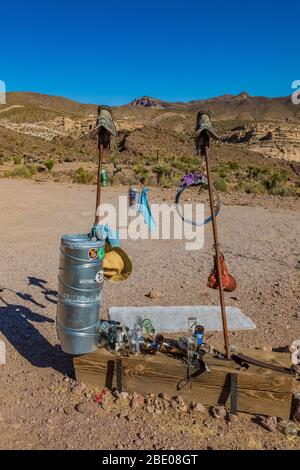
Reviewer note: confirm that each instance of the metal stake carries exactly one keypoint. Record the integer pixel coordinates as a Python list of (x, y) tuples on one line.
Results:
[(98, 199), (216, 246)]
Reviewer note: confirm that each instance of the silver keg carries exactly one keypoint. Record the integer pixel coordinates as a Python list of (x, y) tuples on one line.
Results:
[(80, 283)]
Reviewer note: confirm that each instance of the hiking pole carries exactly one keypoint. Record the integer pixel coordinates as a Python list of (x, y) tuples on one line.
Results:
[(216, 244)]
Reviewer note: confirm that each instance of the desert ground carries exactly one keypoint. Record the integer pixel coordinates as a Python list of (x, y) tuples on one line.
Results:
[(41, 405)]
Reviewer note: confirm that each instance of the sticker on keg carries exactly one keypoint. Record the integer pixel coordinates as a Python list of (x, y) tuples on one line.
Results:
[(93, 253), (101, 253), (99, 277)]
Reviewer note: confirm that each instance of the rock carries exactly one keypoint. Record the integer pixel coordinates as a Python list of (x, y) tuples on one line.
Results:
[(137, 402), (218, 412), (232, 418), (123, 397), (150, 409), (173, 404), (164, 396), (154, 294), (199, 408), (183, 408), (141, 435), (88, 408), (179, 400), (267, 348), (268, 422), (105, 403), (66, 380), (41, 168), (69, 410), (78, 389), (137, 442)]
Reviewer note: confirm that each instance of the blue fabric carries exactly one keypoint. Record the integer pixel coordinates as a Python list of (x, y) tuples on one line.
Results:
[(144, 209), (104, 232)]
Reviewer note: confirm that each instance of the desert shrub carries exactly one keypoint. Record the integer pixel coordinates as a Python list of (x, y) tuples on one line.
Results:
[(275, 180), (162, 169), (180, 165), (232, 165), (140, 169), (254, 171), (49, 164), (220, 184), (17, 160), (221, 170), (170, 181), (23, 171), (252, 187), (83, 176), (283, 190)]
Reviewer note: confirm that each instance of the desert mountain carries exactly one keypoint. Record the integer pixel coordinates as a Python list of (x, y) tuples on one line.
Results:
[(148, 126)]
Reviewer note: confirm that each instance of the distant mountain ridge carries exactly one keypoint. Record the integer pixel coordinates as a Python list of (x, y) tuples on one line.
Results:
[(226, 107)]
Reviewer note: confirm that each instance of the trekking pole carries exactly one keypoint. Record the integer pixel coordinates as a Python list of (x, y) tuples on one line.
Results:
[(216, 245)]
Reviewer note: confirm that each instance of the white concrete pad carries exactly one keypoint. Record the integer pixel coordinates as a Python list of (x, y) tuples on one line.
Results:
[(174, 319)]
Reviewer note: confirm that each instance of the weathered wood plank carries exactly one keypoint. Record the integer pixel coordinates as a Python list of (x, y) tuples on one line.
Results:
[(259, 390)]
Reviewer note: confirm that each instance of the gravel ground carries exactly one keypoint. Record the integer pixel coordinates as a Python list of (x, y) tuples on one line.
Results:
[(260, 239)]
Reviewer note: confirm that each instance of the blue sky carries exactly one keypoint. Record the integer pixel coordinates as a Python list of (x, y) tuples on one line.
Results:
[(113, 51)]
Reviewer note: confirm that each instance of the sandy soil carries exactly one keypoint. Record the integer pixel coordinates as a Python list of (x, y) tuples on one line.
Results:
[(260, 238)]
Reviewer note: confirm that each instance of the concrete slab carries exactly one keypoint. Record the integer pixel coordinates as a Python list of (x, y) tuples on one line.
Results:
[(174, 319)]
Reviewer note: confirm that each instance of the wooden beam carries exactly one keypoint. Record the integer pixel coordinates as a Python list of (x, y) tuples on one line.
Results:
[(260, 391)]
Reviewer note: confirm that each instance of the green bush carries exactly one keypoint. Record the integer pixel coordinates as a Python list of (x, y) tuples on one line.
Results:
[(232, 165), (162, 169), (275, 179), (82, 176), (24, 171), (180, 165), (140, 169), (220, 184), (17, 160), (252, 187), (49, 164)]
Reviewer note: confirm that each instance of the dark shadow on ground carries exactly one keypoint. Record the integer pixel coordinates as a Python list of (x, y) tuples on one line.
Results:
[(48, 293), (16, 326)]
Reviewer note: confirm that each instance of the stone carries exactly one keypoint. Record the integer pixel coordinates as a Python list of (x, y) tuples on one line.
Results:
[(218, 412), (199, 408), (154, 294), (173, 405), (78, 389), (123, 399), (88, 408), (137, 402), (232, 418), (150, 409), (69, 410), (164, 396), (179, 400), (268, 422), (183, 408), (41, 168)]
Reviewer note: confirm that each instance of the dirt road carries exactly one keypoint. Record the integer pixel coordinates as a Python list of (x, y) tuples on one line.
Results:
[(37, 405)]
